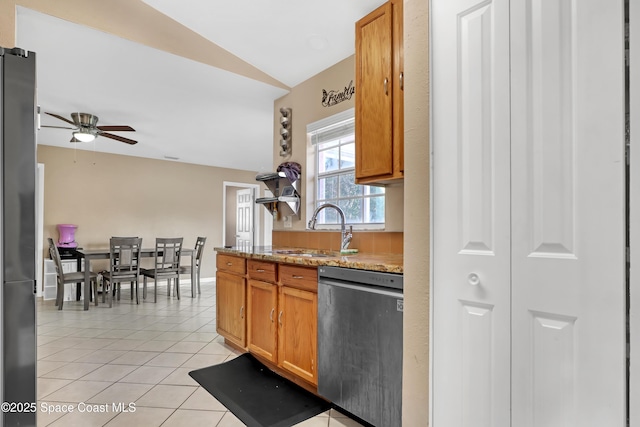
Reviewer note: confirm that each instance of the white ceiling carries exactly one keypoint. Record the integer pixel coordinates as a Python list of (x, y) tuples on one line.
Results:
[(179, 107)]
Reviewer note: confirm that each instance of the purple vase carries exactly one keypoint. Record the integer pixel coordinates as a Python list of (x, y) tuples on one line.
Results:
[(67, 236)]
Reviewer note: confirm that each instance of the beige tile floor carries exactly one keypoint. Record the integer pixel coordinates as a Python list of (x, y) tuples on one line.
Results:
[(138, 357)]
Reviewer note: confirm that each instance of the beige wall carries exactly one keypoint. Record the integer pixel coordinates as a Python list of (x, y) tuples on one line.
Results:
[(305, 100), (415, 387), (108, 195)]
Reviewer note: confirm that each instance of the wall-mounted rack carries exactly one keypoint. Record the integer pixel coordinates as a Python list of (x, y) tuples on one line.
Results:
[(285, 200)]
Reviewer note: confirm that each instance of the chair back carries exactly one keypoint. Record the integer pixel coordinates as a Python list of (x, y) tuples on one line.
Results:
[(57, 261), (124, 255), (200, 241), (168, 254)]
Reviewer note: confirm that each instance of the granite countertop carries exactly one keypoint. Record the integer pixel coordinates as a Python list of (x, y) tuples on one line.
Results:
[(390, 263)]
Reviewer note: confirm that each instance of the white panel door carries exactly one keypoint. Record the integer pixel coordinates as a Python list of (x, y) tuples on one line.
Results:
[(244, 218), (568, 207), (528, 213), (471, 252)]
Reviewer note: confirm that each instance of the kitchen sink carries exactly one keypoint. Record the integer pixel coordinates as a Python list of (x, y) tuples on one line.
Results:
[(300, 253)]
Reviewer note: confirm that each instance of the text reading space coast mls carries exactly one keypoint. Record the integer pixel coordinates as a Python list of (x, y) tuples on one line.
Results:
[(49, 408)]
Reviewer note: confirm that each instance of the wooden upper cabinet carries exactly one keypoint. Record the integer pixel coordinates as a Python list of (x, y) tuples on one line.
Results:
[(379, 95)]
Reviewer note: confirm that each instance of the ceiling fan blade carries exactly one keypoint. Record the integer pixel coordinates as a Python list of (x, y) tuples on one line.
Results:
[(119, 138), (122, 128), (61, 118), (56, 127)]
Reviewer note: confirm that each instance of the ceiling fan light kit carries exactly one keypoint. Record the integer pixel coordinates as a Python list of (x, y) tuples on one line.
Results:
[(83, 136), (86, 128)]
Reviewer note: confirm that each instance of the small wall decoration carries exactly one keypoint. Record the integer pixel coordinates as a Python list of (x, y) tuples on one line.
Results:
[(285, 132), (334, 97)]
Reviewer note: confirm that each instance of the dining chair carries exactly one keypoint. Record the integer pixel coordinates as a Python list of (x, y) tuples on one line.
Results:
[(124, 266), (73, 277), (199, 249), (166, 266), (117, 288)]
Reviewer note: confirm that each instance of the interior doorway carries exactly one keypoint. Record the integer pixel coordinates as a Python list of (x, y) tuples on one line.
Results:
[(240, 212)]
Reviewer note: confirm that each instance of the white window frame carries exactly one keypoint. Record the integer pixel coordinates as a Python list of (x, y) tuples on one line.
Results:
[(313, 158)]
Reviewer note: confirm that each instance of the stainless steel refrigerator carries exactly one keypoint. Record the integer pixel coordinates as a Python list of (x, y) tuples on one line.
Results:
[(18, 237)]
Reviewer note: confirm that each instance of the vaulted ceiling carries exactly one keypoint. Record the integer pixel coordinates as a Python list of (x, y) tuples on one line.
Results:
[(197, 79)]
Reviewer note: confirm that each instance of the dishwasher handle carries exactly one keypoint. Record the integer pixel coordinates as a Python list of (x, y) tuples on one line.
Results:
[(360, 287)]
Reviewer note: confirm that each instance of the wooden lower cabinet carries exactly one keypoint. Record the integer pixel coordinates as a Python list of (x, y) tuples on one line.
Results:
[(298, 332), (230, 307), (281, 318), (262, 329)]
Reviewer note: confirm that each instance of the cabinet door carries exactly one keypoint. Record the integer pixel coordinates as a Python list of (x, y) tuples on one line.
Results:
[(262, 333), (374, 97), (298, 332), (398, 87), (230, 307)]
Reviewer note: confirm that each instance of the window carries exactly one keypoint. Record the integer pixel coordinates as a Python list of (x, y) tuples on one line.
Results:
[(334, 143)]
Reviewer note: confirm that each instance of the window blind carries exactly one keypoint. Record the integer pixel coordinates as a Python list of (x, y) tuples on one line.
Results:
[(332, 128)]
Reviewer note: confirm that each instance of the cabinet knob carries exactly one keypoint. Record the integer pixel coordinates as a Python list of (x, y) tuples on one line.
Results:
[(280, 318), (271, 314), (242, 312), (297, 277), (402, 81), (386, 86)]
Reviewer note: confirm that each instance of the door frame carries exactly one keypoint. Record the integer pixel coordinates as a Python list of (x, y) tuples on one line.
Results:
[(40, 229), (258, 238), (634, 217)]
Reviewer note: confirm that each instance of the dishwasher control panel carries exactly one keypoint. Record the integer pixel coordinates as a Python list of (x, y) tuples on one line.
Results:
[(364, 277)]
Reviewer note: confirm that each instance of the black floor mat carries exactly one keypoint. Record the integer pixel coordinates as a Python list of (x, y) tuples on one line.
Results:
[(258, 396)]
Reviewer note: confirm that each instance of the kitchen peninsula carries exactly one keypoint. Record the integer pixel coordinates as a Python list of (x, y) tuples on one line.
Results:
[(267, 302), (390, 263)]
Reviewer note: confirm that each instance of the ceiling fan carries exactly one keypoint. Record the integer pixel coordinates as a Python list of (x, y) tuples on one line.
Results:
[(86, 128)]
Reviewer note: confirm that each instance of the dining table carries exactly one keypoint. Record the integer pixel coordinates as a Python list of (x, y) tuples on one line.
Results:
[(91, 254)]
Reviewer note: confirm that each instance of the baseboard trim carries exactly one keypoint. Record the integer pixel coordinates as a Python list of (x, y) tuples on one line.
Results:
[(202, 280)]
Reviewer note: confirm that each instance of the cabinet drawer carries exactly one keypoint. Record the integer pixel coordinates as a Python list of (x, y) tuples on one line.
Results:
[(261, 270), (232, 264), (299, 277)]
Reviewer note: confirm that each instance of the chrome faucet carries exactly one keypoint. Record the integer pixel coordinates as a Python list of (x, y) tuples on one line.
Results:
[(345, 237)]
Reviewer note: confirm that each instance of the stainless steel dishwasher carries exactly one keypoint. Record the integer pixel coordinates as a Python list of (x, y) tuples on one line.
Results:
[(360, 343)]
